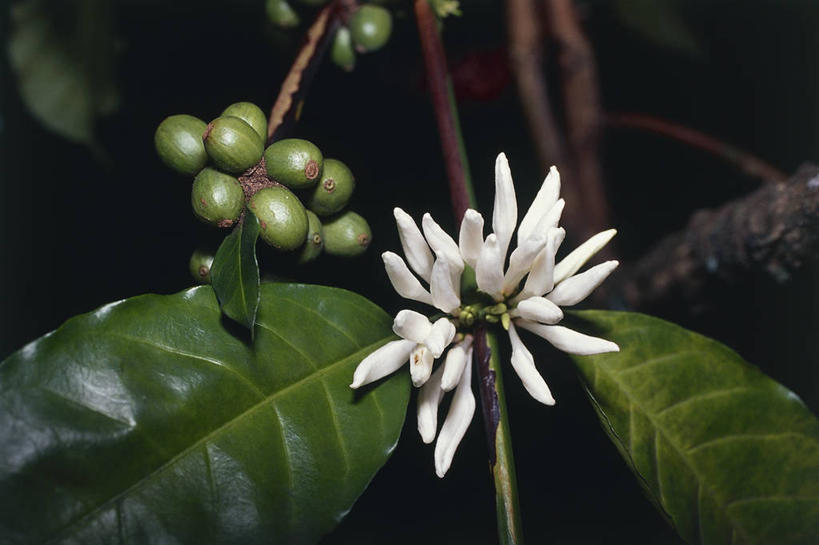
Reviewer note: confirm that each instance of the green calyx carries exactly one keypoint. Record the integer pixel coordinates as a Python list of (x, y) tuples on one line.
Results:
[(342, 51), (333, 191), (370, 28), (282, 217), (217, 198), (199, 266), (281, 14), (294, 162), (314, 243), (346, 235), (250, 114), (178, 141), (232, 144)]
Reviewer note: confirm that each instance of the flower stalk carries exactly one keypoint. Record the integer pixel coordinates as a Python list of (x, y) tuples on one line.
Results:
[(496, 422)]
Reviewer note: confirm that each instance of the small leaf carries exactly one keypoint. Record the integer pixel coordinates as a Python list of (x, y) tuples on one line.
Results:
[(235, 272), (146, 422), (63, 54), (729, 455)]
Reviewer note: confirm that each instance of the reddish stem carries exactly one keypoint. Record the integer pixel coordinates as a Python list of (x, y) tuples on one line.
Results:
[(749, 164), (437, 80)]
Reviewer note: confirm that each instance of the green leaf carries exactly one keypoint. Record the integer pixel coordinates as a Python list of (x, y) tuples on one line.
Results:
[(728, 454), (147, 422), (63, 54), (235, 272)]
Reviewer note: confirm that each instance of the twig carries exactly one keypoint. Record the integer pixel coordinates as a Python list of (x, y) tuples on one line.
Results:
[(749, 164), (773, 230), (438, 82), (287, 108), (526, 59), (583, 113)]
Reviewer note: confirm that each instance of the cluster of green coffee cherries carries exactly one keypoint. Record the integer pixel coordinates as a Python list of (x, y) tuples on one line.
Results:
[(298, 196), (367, 29)]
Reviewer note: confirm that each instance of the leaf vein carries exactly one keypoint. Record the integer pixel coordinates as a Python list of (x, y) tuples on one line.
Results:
[(744, 437)]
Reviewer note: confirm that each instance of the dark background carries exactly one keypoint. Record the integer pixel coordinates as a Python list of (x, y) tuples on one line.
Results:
[(78, 232)]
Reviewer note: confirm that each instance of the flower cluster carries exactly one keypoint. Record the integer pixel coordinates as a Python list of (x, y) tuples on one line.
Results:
[(527, 293)]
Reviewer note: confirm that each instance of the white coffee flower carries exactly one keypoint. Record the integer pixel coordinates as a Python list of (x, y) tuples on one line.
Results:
[(528, 294)]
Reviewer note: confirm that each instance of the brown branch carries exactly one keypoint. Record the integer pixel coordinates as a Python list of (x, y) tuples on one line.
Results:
[(438, 80), (578, 71), (287, 108), (744, 161), (773, 231), (526, 58)]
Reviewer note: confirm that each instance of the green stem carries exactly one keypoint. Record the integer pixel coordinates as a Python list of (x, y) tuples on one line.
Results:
[(496, 420), (470, 190)]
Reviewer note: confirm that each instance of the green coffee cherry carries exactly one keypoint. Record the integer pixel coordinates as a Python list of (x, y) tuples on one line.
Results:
[(370, 28), (178, 141), (342, 51), (281, 14), (232, 144), (282, 217), (200, 265), (334, 189), (314, 243), (294, 162), (217, 197), (250, 114), (346, 235)]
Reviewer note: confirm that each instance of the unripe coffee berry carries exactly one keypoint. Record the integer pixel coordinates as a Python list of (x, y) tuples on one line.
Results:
[(232, 144), (294, 162), (217, 197), (334, 189), (282, 217), (346, 235), (178, 141), (250, 114), (281, 14), (314, 243), (370, 27), (199, 265), (342, 51)]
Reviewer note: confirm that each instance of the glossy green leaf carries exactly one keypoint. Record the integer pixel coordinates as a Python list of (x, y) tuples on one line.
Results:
[(63, 55), (235, 272), (729, 455), (147, 422)]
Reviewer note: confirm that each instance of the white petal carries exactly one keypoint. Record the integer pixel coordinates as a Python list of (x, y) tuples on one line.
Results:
[(420, 365), (444, 288), (429, 398), (457, 358), (411, 325), (415, 247), (544, 201), (382, 362), (470, 239), (520, 262), (489, 272), (578, 257), (540, 309), (524, 365), (505, 213), (440, 336), (568, 340), (441, 243), (550, 220), (460, 414), (576, 288), (403, 281), (540, 279)]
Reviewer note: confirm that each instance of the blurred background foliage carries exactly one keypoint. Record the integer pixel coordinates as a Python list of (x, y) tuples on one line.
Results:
[(90, 215)]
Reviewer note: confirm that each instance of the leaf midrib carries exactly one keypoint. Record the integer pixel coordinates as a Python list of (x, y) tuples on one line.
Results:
[(199, 442), (680, 452)]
